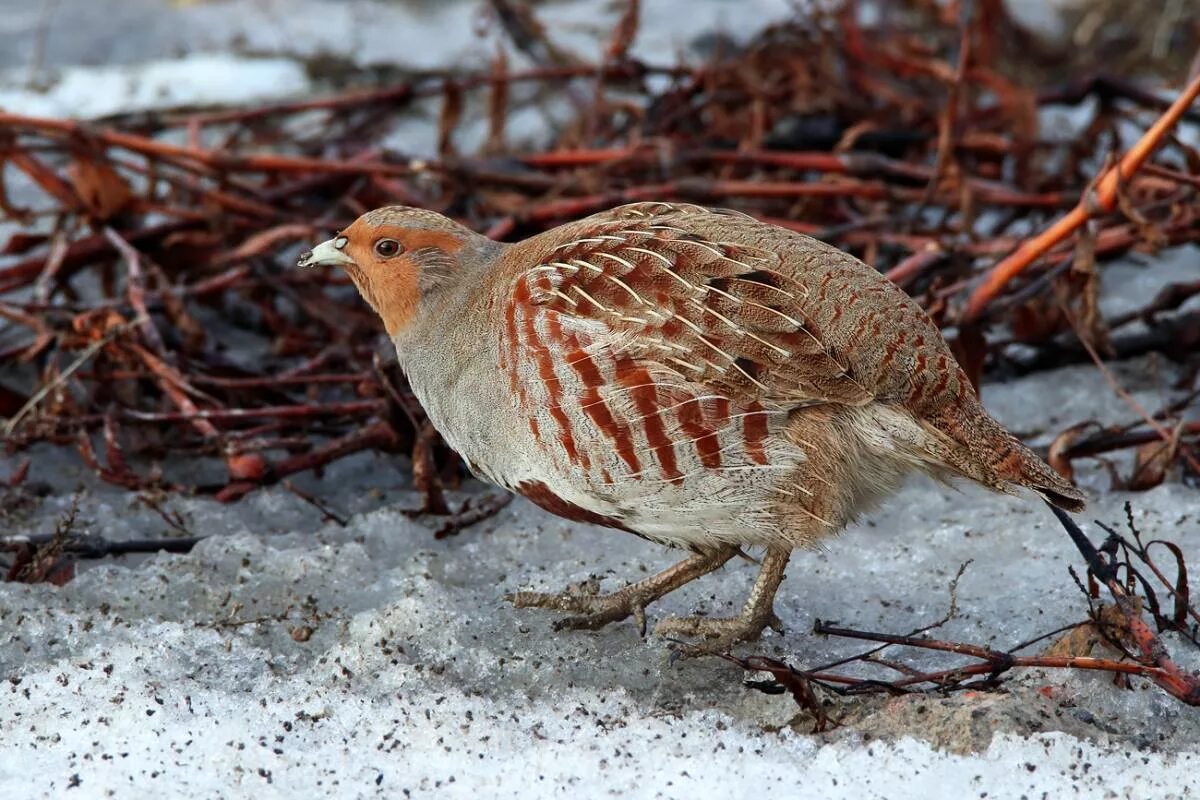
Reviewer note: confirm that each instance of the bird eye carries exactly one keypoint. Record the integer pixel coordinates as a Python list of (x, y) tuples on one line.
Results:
[(386, 248)]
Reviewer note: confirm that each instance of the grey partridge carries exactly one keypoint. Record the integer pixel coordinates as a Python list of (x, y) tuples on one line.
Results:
[(693, 376)]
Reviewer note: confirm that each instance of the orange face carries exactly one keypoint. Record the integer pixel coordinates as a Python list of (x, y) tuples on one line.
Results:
[(389, 262)]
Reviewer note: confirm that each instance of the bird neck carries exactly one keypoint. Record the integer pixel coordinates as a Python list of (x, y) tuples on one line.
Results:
[(449, 356), (452, 316)]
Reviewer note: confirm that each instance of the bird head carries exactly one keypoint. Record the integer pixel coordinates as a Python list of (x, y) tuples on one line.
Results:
[(396, 256)]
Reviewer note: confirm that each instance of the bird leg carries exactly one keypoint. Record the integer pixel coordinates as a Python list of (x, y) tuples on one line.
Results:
[(594, 610), (758, 613)]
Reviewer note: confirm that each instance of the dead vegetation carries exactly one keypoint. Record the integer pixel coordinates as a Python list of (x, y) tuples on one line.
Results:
[(1128, 645)]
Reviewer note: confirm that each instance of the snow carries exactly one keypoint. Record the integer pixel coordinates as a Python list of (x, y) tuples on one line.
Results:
[(289, 656), (194, 80), (416, 34), (186, 674)]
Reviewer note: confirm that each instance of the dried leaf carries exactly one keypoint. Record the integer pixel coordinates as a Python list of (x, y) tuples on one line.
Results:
[(1151, 464), (1081, 287), (1036, 321), (102, 190), (45, 563), (1057, 457), (1079, 641), (40, 565), (1110, 625), (1182, 593)]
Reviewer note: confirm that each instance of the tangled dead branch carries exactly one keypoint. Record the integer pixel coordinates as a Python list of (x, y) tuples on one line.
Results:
[(150, 309), (1127, 569)]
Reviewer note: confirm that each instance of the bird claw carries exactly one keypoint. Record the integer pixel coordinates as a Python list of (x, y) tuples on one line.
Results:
[(577, 597), (718, 635), (598, 619), (593, 610)]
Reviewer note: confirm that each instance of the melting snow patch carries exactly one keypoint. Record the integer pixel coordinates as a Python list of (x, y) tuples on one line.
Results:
[(194, 80)]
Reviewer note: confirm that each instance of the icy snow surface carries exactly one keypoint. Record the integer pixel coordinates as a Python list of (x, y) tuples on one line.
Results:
[(181, 674), (419, 34), (195, 80)]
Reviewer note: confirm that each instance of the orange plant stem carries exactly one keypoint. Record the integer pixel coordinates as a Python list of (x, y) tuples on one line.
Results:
[(1101, 199), (214, 159)]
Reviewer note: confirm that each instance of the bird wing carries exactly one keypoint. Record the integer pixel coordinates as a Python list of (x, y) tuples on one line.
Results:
[(716, 307), (695, 292)]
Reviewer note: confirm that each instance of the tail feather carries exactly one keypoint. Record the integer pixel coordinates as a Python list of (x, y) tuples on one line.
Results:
[(1050, 485), (989, 454)]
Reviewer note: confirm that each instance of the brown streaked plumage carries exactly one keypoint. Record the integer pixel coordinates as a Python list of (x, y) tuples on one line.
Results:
[(696, 377)]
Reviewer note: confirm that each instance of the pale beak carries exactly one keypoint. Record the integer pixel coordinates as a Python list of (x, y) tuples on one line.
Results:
[(326, 254)]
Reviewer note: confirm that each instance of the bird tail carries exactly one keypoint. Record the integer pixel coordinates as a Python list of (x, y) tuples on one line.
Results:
[(989, 454), (1057, 490)]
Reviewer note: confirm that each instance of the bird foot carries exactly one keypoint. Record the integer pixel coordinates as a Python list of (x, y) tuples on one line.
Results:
[(717, 635), (592, 609)]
